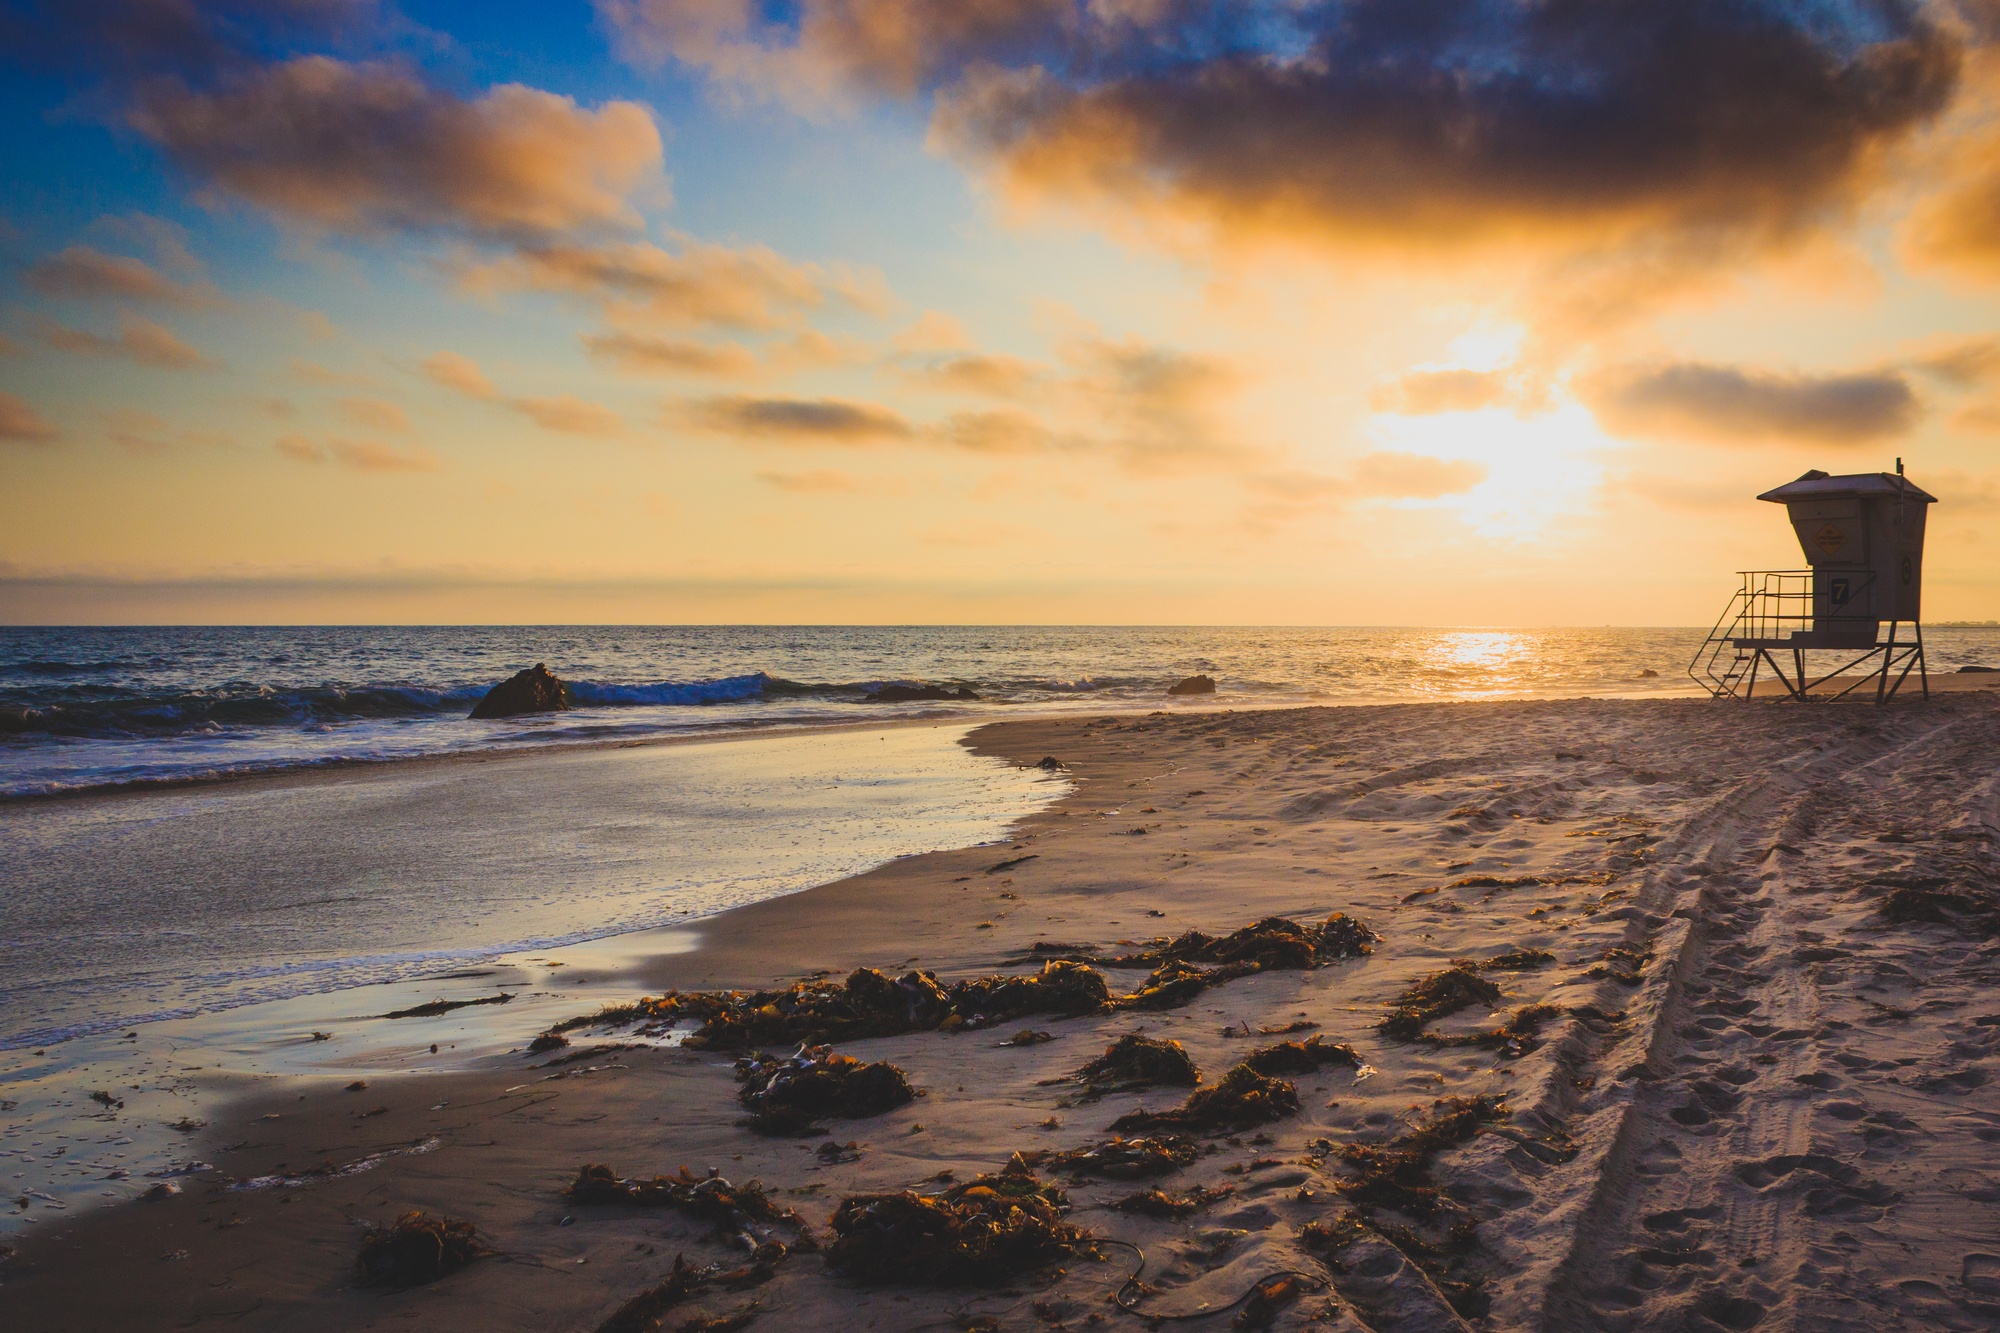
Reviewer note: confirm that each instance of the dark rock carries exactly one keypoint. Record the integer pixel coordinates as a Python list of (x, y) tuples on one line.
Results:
[(1967, 669), (1052, 764), (1649, 674), (903, 694), (531, 691), (1194, 685)]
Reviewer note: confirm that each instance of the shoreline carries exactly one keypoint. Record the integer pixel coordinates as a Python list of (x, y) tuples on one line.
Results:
[(1251, 813)]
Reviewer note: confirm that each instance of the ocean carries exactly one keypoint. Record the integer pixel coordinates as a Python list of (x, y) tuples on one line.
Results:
[(90, 708)]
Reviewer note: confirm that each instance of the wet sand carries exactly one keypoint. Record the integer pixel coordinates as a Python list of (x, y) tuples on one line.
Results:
[(1767, 1101)]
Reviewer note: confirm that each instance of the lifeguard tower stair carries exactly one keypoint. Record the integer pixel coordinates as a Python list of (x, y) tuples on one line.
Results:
[(1864, 536)]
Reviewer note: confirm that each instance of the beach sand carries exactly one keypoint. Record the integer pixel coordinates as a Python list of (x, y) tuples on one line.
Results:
[(1767, 1101)]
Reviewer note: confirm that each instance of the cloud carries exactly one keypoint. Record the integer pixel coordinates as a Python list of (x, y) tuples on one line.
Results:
[(699, 285), (645, 355), (985, 375), (1425, 392), (1964, 364), (373, 148), (131, 40), (1407, 123), (375, 413), (356, 455), (564, 414), (1393, 476), (138, 340), (1000, 432), (1690, 400), (569, 415), (21, 424), (461, 373), (79, 272), (311, 372), (837, 421), (893, 46), (829, 481)]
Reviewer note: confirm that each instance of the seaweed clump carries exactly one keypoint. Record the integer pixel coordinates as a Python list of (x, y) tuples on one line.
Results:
[(1396, 1174), (1436, 996), (732, 1209), (1184, 965), (1133, 1062), (416, 1248), (648, 1311), (1243, 1099), (1128, 1159), (787, 1095), (1159, 1203), (1301, 1057), (868, 1003), (987, 1232)]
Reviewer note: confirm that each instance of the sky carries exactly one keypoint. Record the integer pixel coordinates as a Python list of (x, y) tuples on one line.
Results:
[(1495, 312)]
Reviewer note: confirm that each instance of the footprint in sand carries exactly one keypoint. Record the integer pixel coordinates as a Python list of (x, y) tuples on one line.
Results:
[(1982, 1273)]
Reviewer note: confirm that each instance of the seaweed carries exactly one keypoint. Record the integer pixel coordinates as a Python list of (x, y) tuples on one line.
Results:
[(1396, 1175), (1435, 996), (416, 1248), (1518, 960), (1268, 1299), (1061, 987), (986, 1232), (1301, 1057), (1159, 1203), (1134, 1061), (1128, 1159), (786, 1095), (1274, 942), (870, 1003), (1621, 965), (1028, 1037), (436, 1007), (1243, 1099), (867, 1004), (738, 1318), (644, 1312), (731, 1208), (1513, 1039)]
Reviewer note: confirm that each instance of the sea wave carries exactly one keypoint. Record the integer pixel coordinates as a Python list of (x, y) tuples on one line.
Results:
[(108, 711)]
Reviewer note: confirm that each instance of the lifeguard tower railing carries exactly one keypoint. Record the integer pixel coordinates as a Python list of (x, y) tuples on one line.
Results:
[(1780, 613)]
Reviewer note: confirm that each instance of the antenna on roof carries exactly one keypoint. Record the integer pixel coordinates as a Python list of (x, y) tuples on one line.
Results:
[(1899, 467)]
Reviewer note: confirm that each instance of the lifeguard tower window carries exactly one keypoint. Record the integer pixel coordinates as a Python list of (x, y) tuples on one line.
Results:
[(1863, 538)]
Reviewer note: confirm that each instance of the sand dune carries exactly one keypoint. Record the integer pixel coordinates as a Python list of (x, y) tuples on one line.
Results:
[(1734, 973)]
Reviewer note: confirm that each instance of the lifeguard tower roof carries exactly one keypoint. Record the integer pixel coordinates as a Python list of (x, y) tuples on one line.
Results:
[(1817, 485)]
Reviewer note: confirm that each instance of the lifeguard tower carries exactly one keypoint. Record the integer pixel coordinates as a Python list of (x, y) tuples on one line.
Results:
[(1863, 535)]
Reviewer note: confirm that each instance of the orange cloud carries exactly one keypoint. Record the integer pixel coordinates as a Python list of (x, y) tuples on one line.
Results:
[(569, 415), (645, 355), (461, 373), (1727, 404), (1430, 391), (985, 375), (1392, 476), (138, 340), (356, 455), (699, 285), (79, 272), (376, 413), (368, 148), (797, 420), (21, 424)]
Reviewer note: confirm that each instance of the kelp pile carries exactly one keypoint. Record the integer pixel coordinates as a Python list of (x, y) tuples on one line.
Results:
[(1437, 996), (1513, 1039), (1134, 1062), (787, 1095), (1243, 1099), (416, 1248), (873, 1004), (1394, 1178), (733, 1209), (1396, 1175), (868, 1004), (986, 1232), (647, 1312), (1301, 1057), (1128, 1159), (1159, 1203)]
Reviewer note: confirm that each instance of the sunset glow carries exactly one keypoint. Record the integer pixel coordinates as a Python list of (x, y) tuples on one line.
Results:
[(1032, 311)]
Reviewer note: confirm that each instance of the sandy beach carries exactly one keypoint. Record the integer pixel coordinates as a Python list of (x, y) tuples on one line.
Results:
[(1720, 1055)]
